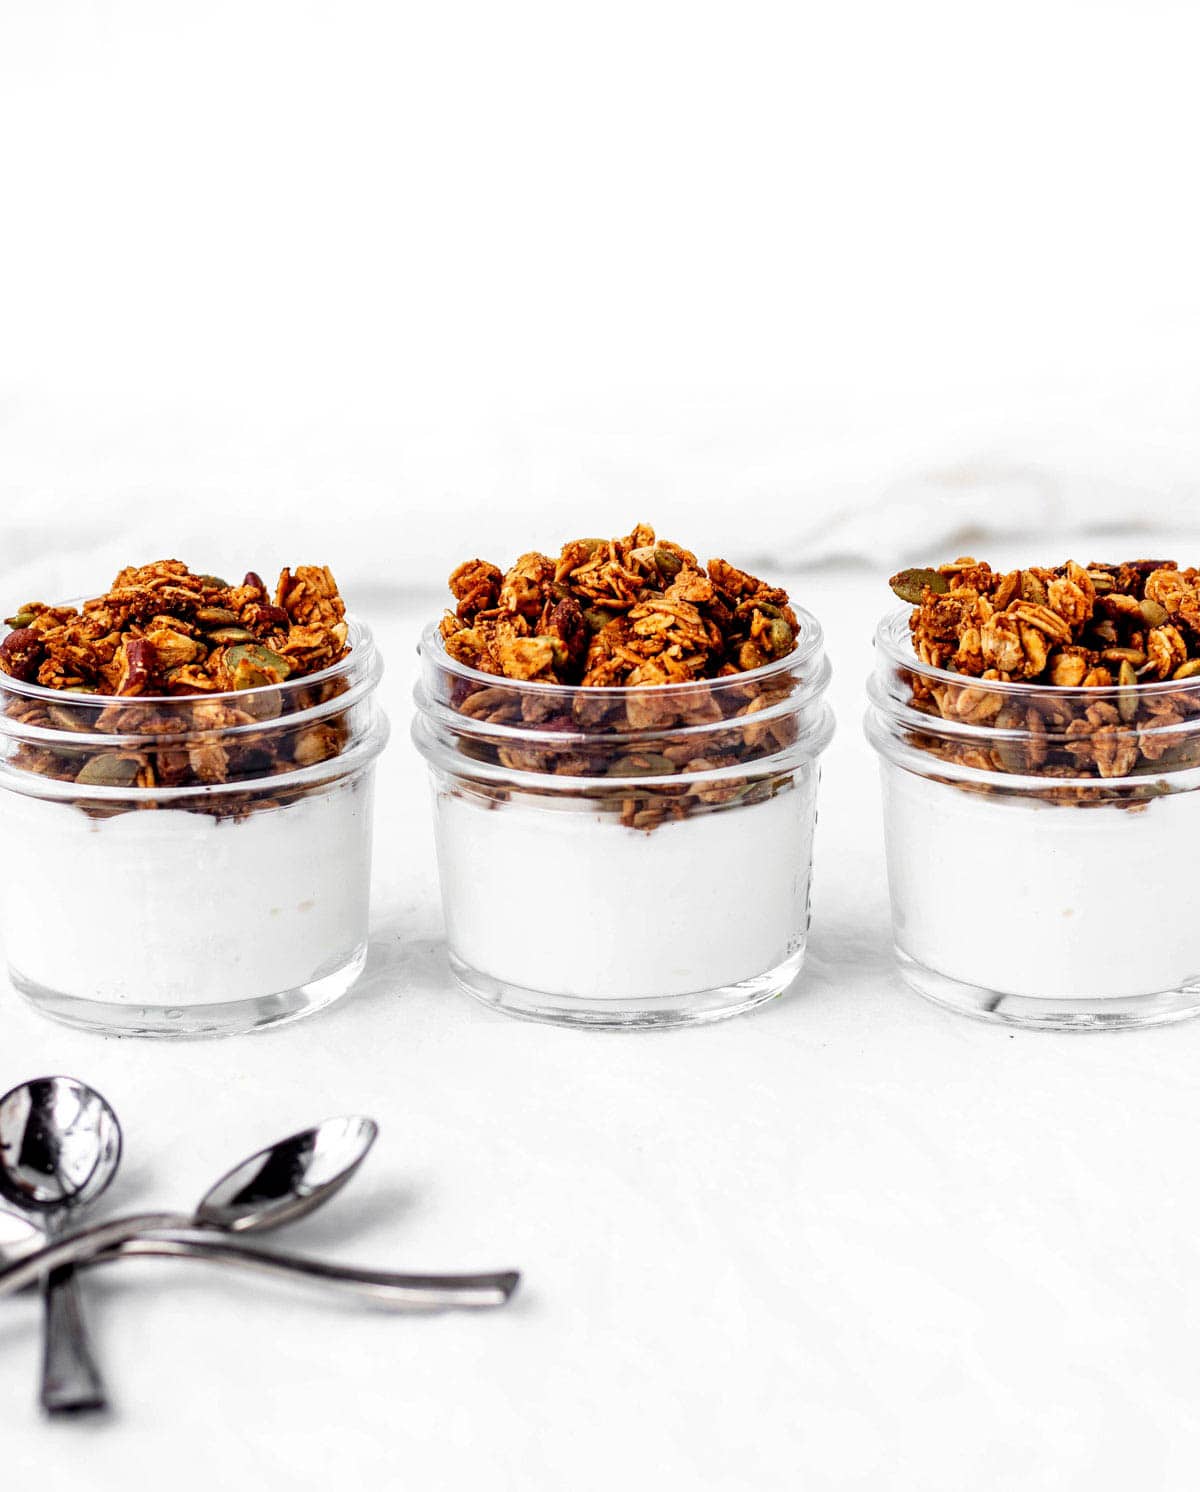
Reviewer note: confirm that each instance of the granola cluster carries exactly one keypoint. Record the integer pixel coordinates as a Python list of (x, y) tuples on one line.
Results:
[(639, 614), (616, 612), (1108, 629), (176, 654), (161, 630)]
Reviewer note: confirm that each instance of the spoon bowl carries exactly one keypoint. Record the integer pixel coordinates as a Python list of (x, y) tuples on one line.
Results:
[(60, 1145), (290, 1179)]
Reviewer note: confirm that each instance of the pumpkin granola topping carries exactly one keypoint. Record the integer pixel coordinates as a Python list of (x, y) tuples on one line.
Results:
[(626, 612), (1106, 629), (175, 655), (161, 630), (676, 643)]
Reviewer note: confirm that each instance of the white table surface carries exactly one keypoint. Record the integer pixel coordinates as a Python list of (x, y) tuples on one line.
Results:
[(845, 1241)]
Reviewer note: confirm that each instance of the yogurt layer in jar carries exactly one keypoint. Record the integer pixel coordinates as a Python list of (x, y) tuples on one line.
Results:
[(625, 854), (185, 865), (1041, 835)]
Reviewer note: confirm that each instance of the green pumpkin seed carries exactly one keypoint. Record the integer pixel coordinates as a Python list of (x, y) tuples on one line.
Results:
[(668, 563), (782, 637), (641, 764), (1032, 588), (252, 666), (1127, 702), (910, 585), (217, 616), (1187, 670), (1010, 756), (23, 618), (66, 719), (108, 770), (229, 635), (1153, 614)]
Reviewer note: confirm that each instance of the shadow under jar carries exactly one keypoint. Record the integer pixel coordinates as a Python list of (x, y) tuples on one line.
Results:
[(192, 865), (1040, 841), (625, 856)]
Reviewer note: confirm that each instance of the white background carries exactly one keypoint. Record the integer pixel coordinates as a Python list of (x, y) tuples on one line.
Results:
[(824, 288), (381, 280)]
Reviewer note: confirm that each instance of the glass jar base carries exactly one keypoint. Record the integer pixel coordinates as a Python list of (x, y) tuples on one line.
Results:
[(225, 1018), (626, 1013), (1051, 1012)]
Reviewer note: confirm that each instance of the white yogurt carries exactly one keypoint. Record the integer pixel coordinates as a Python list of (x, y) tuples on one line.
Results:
[(1043, 899), (172, 908), (572, 903)]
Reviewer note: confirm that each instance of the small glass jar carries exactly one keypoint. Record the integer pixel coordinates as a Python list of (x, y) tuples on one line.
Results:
[(1040, 842), (139, 900), (625, 856)]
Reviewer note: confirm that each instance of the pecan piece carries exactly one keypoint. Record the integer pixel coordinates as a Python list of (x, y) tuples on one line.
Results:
[(20, 654)]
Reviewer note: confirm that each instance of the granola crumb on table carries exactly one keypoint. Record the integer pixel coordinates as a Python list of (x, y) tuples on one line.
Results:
[(1107, 628)]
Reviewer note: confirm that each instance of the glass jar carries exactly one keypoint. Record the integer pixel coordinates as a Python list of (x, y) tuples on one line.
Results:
[(189, 865), (625, 856), (1040, 842)]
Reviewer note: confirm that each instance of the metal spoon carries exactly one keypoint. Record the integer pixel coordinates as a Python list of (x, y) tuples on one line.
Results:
[(20, 1238), (60, 1145), (273, 1187)]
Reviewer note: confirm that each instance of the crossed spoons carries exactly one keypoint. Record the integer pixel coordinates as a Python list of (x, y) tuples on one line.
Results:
[(60, 1146)]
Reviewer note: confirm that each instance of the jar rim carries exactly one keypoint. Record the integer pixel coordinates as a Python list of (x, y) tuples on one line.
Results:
[(893, 639), (802, 752), (359, 755), (811, 639)]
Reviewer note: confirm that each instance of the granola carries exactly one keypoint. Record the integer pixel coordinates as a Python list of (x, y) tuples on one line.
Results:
[(162, 635), (640, 617), (616, 613), (1105, 630)]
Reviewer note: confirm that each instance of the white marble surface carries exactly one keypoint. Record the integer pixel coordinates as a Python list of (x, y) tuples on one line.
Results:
[(848, 1241)]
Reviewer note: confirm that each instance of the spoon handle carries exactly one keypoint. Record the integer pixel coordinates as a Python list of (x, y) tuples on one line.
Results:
[(421, 1292), (71, 1382), (83, 1245)]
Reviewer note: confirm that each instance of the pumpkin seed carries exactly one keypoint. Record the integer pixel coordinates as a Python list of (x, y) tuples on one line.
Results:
[(109, 770), (910, 585), (66, 719), (668, 563), (1032, 588), (1187, 670), (641, 764), (252, 666), (229, 635), (1127, 703), (217, 616), (1153, 614)]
